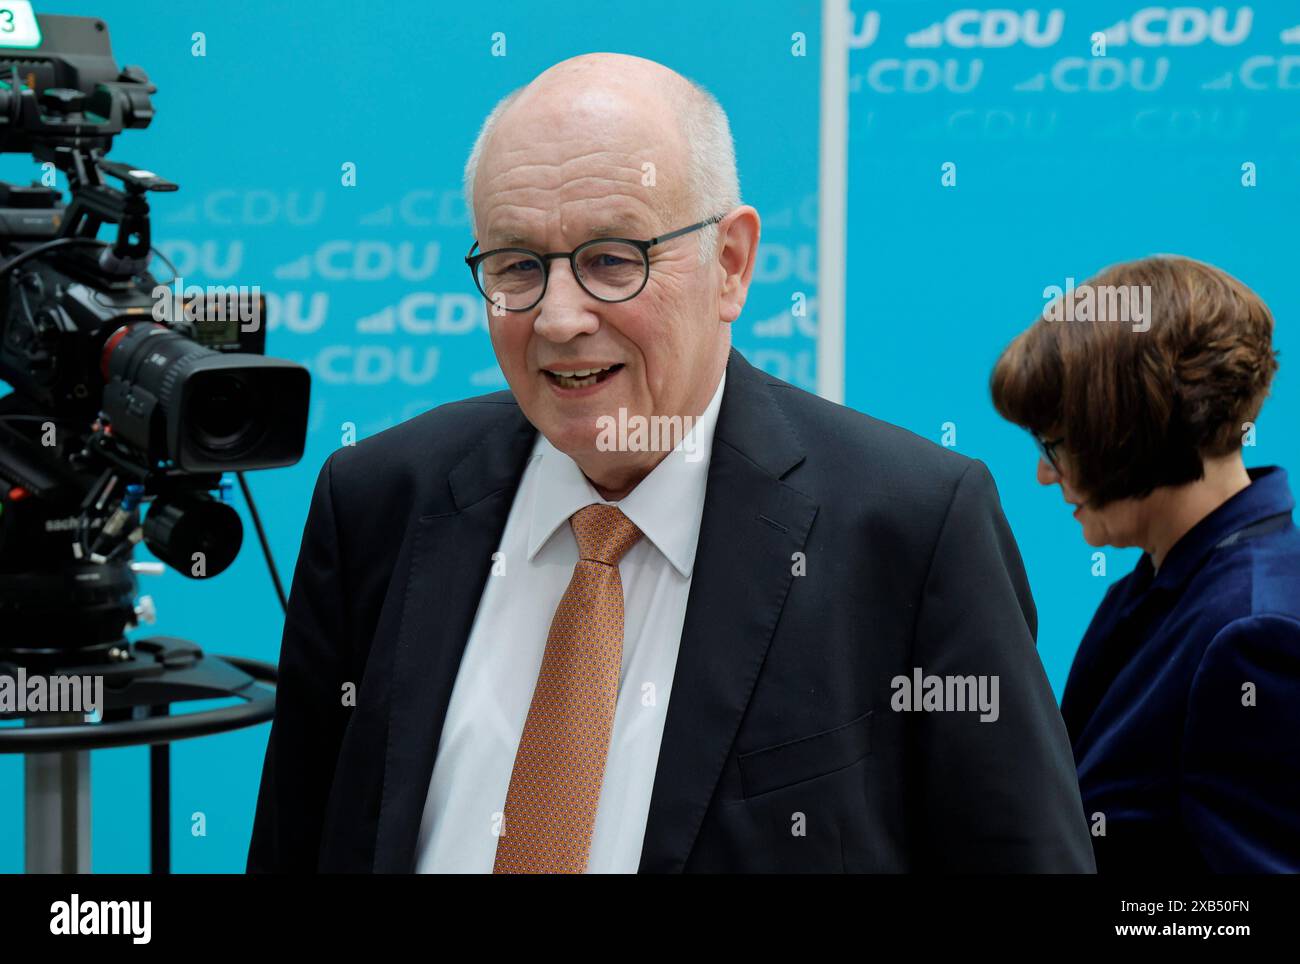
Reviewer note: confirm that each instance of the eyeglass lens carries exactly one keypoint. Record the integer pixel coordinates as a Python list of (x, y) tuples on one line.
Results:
[(608, 270)]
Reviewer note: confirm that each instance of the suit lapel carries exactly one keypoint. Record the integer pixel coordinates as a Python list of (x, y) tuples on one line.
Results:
[(450, 560), (753, 523)]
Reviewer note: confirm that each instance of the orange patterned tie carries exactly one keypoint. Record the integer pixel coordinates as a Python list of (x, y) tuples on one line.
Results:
[(555, 784)]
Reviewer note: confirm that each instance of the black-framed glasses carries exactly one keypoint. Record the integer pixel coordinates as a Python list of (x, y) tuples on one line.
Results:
[(1048, 448), (609, 269)]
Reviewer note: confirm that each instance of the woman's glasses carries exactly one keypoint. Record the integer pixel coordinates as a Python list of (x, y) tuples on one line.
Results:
[(1048, 448)]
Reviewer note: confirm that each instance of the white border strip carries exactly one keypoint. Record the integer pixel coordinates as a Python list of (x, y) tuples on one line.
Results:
[(832, 199)]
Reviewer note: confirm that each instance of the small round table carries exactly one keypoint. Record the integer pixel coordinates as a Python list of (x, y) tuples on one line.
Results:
[(138, 694)]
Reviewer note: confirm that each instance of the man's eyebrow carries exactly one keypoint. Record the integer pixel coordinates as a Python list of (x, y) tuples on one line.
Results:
[(618, 229), (621, 228)]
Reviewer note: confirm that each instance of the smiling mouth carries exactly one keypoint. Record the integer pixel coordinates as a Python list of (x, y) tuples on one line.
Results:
[(582, 378)]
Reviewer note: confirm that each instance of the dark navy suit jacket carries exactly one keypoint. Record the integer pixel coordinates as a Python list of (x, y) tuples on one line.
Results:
[(1183, 703), (835, 553)]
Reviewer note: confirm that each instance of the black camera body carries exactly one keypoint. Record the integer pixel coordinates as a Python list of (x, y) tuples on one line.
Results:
[(127, 397)]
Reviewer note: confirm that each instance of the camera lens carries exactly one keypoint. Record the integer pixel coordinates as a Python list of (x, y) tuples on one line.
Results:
[(225, 417)]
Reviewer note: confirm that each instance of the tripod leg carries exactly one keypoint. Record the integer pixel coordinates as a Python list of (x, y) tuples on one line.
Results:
[(56, 793), (160, 803)]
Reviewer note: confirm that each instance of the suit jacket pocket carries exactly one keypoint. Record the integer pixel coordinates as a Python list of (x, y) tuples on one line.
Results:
[(778, 766)]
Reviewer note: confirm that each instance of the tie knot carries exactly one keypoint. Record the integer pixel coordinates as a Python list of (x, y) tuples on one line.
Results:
[(604, 533)]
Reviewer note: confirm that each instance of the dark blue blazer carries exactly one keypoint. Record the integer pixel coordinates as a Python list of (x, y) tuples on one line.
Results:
[(1183, 703)]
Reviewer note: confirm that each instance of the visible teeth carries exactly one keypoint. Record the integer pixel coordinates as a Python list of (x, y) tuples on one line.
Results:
[(566, 382), (580, 377)]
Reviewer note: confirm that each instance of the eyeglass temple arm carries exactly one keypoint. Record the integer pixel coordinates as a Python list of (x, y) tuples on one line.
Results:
[(677, 234)]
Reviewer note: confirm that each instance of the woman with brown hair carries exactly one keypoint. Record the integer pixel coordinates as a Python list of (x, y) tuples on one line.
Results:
[(1183, 701)]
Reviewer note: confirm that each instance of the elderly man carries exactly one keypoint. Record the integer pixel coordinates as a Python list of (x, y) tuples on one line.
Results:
[(528, 632)]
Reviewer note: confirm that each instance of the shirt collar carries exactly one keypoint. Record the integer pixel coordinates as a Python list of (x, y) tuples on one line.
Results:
[(666, 505), (1267, 495)]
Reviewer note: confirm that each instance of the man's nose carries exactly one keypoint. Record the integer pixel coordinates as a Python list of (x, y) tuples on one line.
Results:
[(1046, 474), (565, 310)]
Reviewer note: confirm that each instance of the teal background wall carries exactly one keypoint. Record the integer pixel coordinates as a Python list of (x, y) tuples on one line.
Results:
[(1065, 162)]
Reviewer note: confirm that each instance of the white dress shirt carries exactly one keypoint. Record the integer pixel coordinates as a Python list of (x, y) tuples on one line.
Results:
[(498, 671)]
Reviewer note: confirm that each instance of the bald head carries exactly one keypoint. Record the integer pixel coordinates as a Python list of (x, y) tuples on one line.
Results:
[(614, 71), (672, 134)]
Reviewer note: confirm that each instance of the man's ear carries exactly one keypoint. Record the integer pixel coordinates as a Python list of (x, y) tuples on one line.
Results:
[(738, 235)]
